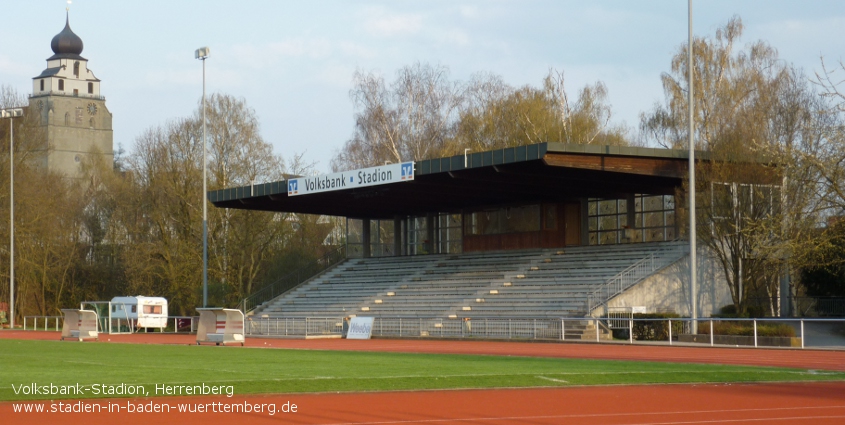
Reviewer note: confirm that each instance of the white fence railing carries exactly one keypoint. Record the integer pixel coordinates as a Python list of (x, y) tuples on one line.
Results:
[(828, 333), (484, 328), (295, 326), (43, 323), (175, 324)]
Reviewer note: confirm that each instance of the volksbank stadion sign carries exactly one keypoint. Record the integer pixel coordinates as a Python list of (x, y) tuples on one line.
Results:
[(374, 176)]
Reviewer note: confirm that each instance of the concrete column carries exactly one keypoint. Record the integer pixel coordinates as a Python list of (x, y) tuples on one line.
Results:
[(585, 223), (397, 235), (429, 232), (365, 237), (631, 215)]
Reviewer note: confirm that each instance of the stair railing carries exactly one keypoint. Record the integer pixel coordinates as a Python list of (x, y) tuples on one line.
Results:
[(627, 278)]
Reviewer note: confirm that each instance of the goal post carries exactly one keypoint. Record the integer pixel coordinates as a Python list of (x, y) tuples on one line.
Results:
[(113, 318)]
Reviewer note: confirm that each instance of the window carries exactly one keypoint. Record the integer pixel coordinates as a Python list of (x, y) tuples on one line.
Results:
[(76, 92), (62, 85), (90, 88), (448, 233), (67, 118), (504, 220), (655, 218), (653, 215), (607, 220), (152, 309), (91, 123), (134, 308), (42, 85), (76, 68)]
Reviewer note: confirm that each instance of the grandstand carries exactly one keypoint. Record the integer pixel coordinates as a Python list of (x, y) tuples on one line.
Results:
[(543, 283), (540, 231)]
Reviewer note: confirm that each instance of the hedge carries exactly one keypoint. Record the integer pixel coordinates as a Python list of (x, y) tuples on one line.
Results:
[(746, 328)]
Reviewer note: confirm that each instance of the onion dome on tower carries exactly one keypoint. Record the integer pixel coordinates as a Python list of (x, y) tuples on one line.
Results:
[(66, 44)]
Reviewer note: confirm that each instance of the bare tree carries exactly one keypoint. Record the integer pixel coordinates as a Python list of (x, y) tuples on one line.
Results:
[(759, 122)]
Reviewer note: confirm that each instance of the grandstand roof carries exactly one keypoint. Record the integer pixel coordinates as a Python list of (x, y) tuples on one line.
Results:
[(545, 172)]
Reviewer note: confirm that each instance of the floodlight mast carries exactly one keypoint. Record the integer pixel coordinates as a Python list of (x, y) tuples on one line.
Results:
[(10, 114), (202, 54), (692, 225)]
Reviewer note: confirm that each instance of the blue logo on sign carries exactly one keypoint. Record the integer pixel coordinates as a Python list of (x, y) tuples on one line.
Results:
[(293, 186), (407, 170)]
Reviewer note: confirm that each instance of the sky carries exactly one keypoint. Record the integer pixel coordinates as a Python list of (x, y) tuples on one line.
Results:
[(293, 61)]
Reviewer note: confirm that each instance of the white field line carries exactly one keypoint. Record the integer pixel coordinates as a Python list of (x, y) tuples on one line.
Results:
[(552, 379), (471, 375)]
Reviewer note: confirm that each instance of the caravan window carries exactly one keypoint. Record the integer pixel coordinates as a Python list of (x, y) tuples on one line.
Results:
[(134, 308), (152, 309)]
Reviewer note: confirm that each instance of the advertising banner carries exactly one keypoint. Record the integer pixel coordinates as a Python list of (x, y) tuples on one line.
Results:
[(373, 176)]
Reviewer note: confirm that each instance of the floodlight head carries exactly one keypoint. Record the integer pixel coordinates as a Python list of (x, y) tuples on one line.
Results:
[(11, 113), (201, 53)]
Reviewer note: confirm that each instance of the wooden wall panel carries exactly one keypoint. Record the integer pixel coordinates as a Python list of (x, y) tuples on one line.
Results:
[(644, 166)]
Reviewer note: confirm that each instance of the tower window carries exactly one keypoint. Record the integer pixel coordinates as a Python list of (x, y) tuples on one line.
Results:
[(42, 85), (62, 85), (91, 123), (90, 88), (67, 118), (76, 69)]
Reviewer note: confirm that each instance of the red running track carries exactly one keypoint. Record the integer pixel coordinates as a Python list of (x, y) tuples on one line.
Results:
[(778, 403), (794, 403)]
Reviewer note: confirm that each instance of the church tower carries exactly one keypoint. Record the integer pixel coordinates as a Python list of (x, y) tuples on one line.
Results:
[(76, 122)]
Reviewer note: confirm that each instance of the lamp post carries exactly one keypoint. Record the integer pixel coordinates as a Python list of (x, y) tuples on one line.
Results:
[(692, 224), (202, 54), (10, 114)]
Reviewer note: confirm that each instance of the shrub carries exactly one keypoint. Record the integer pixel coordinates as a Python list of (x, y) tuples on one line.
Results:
[(657, 330), (729, 311), (746, 328)]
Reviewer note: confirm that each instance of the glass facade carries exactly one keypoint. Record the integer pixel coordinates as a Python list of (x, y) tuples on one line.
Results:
[(641, 218), (504, 220)]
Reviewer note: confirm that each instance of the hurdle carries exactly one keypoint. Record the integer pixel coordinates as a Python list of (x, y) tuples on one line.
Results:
[(220, 326), (80, 324)]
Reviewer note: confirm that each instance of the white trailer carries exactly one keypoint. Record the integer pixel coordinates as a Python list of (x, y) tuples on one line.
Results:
[(143, 312)]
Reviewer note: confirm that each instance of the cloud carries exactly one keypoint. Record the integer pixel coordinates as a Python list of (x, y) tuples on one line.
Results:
[(8, 66), (336, 75), (457, 37), (259, 56), (381, 23), (470, 12)]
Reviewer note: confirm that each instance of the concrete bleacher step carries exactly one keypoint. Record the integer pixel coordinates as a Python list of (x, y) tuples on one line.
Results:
[(528, 283)]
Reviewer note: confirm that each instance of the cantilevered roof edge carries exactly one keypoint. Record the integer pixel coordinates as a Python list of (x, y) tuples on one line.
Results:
[(476, 160)]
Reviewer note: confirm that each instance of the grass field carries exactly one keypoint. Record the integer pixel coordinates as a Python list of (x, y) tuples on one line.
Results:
[(255, 370)]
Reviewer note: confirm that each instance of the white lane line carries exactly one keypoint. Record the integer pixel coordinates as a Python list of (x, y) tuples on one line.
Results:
[(599, 415)]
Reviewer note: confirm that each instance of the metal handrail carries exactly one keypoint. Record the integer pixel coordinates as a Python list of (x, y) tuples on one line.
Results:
[(292, 280), (624, 280)]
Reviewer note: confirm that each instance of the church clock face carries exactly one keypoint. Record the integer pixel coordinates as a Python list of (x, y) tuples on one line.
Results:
[(92, 109)]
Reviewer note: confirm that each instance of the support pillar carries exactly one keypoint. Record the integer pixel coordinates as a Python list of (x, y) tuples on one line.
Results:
[(397, 235), (429, 233), (585, 222), (365, 237)]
